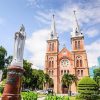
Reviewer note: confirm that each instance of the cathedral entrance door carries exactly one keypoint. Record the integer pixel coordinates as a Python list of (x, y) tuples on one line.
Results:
[(64, 89)]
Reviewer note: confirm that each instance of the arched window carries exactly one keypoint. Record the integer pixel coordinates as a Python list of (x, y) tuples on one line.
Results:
[(64, 71), (75, 44), (52, 46), (78, 44), (78, 72), (52, 63), (49, 72), (80, 63), (61, 72), (49, 63), (77, 63), (68, 71), (52, 72), (81, 72)]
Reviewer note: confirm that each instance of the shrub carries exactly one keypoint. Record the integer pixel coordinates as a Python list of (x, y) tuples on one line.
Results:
[(29, 96), (87, 89), (1, 89), (2, 85), (49, 97)]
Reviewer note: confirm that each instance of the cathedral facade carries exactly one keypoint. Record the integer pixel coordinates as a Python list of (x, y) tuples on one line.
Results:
[(57, 63)]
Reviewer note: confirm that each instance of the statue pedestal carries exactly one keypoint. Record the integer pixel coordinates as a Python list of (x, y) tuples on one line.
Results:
[(13, 84)]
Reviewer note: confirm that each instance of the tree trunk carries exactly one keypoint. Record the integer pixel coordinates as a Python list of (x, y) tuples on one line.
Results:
[(69, 90)]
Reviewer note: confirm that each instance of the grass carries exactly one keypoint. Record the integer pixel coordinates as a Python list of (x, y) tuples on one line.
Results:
[(41, 95), (72, 98), (0, 94)]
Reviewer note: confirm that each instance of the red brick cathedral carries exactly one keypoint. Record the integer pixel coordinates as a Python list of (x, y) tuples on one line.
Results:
[(57, 63)]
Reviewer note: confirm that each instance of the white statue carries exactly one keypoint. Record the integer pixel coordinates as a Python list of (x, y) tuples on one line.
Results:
[(1, 75), (19, 47)]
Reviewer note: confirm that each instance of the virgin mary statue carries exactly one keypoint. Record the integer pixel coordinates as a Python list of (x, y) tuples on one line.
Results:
[(19, 42)]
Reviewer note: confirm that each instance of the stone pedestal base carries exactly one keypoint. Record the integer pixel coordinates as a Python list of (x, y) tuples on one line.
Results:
[(13, 84)]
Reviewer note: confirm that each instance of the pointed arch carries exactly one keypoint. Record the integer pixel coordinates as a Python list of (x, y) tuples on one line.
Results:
[(80, 62), (77, 63), (75, 44), (49, 63), (52, 63), (52, 46), (78, 44)]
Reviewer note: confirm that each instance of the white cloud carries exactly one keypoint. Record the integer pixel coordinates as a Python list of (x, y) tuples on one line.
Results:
[(91, 32), (2, 21), (64, 17), (32, 2), (35, 67), (93, 51), (37, 47), (88, 15)]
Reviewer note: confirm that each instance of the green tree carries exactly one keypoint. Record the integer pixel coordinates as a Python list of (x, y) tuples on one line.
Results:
[(8, 60), (3, 54), (47, 77), (51, 84), (48, 81), (38, 79), (97, 77), (27, 74), (7, 63), (67, 81), (87, 88), (41, 79)]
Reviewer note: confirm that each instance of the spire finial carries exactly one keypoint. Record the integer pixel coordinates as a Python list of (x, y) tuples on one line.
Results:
[(75, 17), (53, 15), (76, 29), (64, 45), (53, 27)]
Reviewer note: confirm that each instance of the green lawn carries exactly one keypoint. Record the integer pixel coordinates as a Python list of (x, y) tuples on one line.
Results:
[(0, 94), (72, 98)]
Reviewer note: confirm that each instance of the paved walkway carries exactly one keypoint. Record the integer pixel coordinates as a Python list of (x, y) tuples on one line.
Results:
[(42, 98)]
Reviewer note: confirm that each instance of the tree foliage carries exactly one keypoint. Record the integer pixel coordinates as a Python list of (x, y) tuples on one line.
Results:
[(97, 77), (33, 78), (67, 80), (48, 81), (3, 54)]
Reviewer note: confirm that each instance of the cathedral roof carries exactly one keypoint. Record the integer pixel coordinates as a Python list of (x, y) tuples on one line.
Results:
[(64, 53)]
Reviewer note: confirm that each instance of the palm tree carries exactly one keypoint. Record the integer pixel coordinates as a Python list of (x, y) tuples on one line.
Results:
[(67, 81), (46, 81), (51, 84)]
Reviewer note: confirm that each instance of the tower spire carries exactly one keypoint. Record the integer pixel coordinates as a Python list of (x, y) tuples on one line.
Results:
[(76, 28), (53, 28)]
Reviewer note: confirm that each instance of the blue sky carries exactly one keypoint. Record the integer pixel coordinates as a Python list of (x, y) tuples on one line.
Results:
[(36, 17)]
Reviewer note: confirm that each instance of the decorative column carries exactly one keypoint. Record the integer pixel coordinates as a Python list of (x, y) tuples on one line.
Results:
[(15, 71)]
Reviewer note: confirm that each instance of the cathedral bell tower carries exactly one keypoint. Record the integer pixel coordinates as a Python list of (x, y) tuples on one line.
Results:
[(78, 51), (51, 57)]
